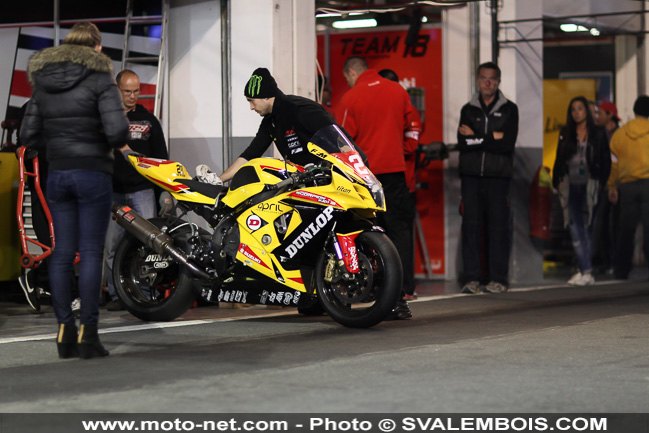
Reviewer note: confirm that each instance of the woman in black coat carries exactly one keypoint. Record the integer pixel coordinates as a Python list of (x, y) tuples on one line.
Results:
[(580, 173), (76, 114)]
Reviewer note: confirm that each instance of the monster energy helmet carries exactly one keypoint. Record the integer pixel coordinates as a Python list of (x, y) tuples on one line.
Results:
[(260, 85)]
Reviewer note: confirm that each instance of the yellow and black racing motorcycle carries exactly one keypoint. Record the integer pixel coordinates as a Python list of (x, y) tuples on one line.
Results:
[(280, 234)]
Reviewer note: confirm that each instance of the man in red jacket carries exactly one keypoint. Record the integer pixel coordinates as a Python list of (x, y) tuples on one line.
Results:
[(375, 113)]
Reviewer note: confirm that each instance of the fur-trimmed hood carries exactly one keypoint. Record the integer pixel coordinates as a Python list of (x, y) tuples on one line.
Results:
[(61, 68)]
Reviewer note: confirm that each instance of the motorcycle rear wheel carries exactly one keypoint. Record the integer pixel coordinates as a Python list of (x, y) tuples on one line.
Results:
[(159, 296), (380, 275)]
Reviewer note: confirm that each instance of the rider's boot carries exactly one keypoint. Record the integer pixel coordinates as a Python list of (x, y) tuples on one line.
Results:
[(66, 341), (89, 344)]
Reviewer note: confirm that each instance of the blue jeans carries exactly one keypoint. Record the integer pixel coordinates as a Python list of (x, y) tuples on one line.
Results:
[(581, 231), (80, 203), (143, 202)]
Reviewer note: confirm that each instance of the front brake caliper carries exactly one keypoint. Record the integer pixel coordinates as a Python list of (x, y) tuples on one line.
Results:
[(330, 269)]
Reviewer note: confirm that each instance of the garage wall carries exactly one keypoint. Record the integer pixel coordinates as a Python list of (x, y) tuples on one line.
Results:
[(266, 33)]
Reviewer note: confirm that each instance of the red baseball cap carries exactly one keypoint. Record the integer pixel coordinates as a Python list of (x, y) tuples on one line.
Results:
[(610, 107)]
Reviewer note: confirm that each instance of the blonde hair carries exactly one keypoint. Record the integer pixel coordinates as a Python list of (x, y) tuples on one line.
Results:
[(84, 33)]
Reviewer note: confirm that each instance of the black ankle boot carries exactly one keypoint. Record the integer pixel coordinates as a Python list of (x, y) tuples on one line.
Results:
[(89, 344), (66, 341)]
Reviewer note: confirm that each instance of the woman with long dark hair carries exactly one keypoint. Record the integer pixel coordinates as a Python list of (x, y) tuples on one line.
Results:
[(580, 173), (76, 114)]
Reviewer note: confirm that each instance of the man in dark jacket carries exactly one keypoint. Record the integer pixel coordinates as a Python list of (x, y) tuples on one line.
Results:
[(288, 120), (486, 140), (129, 186)]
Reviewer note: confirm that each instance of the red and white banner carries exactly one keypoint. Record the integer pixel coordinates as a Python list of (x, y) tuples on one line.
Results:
[(33, 39)]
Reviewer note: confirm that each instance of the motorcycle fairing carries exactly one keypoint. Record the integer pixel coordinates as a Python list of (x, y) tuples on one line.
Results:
[(252, 178), (286, 229), (167, 175), (257, 240), (255, 270)]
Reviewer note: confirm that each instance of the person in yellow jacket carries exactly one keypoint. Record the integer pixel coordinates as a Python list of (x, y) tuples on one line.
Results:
[(629, 184)]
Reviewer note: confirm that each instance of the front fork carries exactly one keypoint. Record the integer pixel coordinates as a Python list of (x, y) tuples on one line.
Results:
[(343, 264)]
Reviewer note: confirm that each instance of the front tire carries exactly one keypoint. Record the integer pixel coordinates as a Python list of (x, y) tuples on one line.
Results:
[(153, 288), (372, 296)]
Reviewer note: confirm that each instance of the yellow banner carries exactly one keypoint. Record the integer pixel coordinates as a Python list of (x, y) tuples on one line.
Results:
[(556, 97), (10, 250)]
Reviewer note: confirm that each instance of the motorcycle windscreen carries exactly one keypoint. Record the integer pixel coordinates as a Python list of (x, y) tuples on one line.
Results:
[(335, 141)]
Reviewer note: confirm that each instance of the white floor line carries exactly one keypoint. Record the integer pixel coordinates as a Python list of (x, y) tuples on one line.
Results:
[(518, 289), (147, 326), (162, 325)]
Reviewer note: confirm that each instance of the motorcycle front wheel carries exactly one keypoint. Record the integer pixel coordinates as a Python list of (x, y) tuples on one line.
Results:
[(371, 295), (152, 287)]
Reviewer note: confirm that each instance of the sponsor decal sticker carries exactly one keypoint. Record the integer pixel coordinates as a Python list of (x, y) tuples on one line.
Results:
[(413, 134), (270, 207), (305, 195), (156, 258), (139, 127), (286, 298), (248, 253), (155, 162), (139, 130), (233, 296), (350, 253), (253, 222), (319, 154), (254, 85), (309, 232)]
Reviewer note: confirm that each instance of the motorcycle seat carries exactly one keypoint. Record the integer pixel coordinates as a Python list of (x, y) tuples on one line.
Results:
[(209, 190)]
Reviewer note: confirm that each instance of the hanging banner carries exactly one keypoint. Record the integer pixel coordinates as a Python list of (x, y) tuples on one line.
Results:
[(418, 65), (33, 39)]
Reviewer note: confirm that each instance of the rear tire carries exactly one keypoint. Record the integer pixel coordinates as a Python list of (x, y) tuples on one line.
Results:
[(379, 288), (151, 289)]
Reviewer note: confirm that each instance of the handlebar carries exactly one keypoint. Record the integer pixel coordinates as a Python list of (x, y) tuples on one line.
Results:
[(289, 181), (297, 177)]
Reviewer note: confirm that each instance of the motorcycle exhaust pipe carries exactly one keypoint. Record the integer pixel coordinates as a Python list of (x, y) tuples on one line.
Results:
[(153, 237)]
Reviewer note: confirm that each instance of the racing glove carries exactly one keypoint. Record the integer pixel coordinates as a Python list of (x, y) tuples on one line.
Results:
[(204, 174)]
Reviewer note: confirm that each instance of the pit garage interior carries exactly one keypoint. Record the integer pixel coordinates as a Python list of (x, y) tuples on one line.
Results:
[(209, 49)]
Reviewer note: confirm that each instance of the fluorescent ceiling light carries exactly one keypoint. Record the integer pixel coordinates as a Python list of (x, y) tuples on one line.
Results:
[(354, 24), (594, 31), (424, 19), (572, 28), (328, 15)]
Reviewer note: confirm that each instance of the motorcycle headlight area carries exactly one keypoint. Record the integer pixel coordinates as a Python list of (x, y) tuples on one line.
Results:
[(371, 189), (376, 191)]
